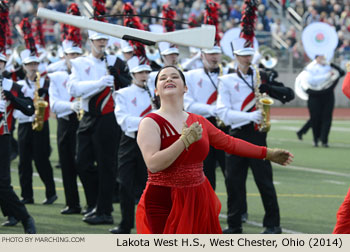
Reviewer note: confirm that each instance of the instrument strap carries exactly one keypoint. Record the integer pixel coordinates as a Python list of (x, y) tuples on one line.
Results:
[(211, 80), (251, 86)]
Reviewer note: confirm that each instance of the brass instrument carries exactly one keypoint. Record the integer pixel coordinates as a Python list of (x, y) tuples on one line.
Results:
[(6, 128), (263, 103), (81, 112), (268, 57), (40, 107)]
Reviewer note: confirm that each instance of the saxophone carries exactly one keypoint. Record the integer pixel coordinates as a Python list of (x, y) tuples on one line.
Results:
[(263, 103), (40, 106)]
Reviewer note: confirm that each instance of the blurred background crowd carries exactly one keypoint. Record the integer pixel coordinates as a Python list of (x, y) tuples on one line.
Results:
[(280, 22)]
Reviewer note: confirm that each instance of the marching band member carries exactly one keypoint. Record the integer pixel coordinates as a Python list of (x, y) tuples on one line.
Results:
[(236, 108), (66, 109), (201, 99), (202, 91), (11, 97), (132, 104), (93, 79), (321, 102), (34, 144)]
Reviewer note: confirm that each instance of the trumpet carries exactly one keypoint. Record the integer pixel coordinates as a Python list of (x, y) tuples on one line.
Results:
[(263, 103)]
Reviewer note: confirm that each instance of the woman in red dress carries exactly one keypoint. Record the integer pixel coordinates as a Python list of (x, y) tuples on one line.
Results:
[(178, 197)]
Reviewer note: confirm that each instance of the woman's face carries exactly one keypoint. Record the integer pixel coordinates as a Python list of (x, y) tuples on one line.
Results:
[(170, 82)]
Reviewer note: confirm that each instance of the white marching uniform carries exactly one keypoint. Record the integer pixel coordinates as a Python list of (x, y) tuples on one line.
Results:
[(84, 80), (57, 66), (28, 91), (235, 99), (132, 104), (60, 99), (202, 94)]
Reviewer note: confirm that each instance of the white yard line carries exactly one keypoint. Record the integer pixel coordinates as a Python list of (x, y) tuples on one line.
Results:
[(256, 224)]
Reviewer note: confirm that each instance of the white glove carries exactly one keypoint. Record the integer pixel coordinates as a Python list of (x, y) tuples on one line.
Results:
[(255, 116), (75, 106), (212, 110), (107, 80), (2, 106)]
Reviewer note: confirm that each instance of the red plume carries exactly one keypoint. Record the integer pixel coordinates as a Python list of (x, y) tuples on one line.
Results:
[(211, 17), (38, 32), (248, 20), (99, 9), (28, 36), (4, 14), (9, 40), (72, 9), (73, 33), (192, 21), (168, 12), (134, 22)]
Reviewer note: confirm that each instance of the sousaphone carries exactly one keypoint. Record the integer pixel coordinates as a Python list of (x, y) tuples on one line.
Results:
[(318, 38)]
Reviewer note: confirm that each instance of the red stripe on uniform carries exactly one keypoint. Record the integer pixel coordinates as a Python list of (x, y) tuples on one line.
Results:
[(212, 98), (247, 100), (146, 111)]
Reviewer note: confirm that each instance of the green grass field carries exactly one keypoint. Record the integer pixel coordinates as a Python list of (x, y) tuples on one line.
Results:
[(310, 190)]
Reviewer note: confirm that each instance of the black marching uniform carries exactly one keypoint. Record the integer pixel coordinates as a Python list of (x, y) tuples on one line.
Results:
[(98, 131), (35, 145), (9, 202), (235, 100), (321, 102)]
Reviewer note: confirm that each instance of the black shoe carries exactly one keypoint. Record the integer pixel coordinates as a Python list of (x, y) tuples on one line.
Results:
[(99, 219), (272, 230), (315, 144), (119, 230), (244, 217), (29, 226), (50, 200), (11, 221), (91, 213), (27, 201), (300, 136), (325, 145), (87, 210), (230, 230), (58, 166), (71, 210)]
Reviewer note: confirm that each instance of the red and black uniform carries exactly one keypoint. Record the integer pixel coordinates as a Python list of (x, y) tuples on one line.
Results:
[(98, 132), (9, 202)]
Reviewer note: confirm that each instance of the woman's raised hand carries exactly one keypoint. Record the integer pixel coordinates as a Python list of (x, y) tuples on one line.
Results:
[(191, 134)]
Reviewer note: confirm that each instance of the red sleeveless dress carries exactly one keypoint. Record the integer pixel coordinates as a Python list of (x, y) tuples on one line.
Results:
[(180, 199)]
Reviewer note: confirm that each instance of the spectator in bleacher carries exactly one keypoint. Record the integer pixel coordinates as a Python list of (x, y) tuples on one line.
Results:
[(324, 6), (24, 8), (235, 13), (299, 7), (278, 28), (311, 16)]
